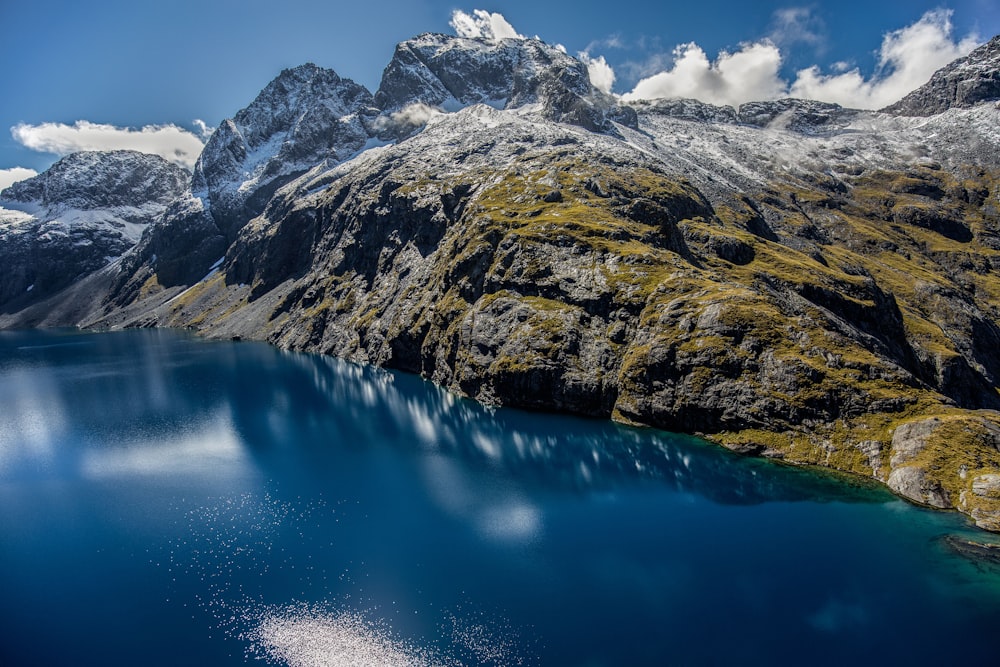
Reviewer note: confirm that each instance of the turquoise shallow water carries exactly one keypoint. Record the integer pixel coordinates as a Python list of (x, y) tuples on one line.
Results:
[(166, 500)]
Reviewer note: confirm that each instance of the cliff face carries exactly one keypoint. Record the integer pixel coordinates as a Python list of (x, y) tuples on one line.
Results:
[(790, 278)]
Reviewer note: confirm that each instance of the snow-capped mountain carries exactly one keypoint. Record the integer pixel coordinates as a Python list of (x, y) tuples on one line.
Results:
[(789, 278), (83, 212), (305, 116), (454, 72)]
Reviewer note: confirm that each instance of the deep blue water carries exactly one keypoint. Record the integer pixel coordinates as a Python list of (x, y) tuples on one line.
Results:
[(171, 501)]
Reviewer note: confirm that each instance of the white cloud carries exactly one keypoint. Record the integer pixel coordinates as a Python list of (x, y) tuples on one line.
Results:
[(748, 74), (407, 119), (482, 24), (10, 176), (168, 141), (907, 59), (602, 76), (204, 131), (794, 25)]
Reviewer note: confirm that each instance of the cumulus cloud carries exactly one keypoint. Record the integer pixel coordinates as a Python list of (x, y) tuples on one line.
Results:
[(602, 76), (481, 24), (907, 59), (733, 78), (168, 141), (204, 131), (10, 176)]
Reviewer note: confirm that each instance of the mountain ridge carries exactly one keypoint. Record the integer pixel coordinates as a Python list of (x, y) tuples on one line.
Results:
[(789, 278)]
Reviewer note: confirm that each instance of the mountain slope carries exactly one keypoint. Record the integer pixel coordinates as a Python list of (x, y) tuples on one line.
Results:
[(83, 212), (789, 278), (305, 116)]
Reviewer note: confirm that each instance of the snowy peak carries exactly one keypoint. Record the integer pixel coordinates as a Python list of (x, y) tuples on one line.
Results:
[(304, 116), (455, 72), (99, 180), (83, 212), (962, 84)]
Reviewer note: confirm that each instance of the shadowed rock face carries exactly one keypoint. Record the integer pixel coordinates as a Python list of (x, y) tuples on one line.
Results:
[(960, 85), (790, 279)]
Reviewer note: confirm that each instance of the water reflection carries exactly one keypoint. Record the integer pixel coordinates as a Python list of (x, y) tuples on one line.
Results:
[(156, 489), (143, 399), (359, 404)]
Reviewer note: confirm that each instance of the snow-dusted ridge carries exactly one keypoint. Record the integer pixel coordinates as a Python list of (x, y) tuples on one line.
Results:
[(83, 212)]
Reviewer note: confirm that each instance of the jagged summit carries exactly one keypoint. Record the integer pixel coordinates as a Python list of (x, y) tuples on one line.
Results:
[(962, 84), (96, 180), (454, 72), (304, 116)]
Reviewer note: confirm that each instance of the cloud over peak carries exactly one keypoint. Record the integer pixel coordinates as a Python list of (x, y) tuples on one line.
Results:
[(748, 74), (170, 142), (907, 59), (9, 177), (481, 24)]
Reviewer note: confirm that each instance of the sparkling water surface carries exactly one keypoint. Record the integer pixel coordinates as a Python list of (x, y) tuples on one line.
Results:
[(166, 500)]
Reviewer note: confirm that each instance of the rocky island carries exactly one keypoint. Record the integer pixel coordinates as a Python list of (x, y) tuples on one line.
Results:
[(788, 278)]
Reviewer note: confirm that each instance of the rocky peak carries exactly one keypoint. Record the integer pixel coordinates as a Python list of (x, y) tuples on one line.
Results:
[(803, 116), (964, 83), (454, 72), (306, 115), (84, 211), (99, 180)]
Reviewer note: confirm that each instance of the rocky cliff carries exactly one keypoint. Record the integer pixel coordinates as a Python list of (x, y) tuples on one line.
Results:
[(961, 85), (789, 278)]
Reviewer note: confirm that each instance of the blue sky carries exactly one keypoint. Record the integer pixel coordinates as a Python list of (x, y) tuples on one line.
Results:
[(86, 69)]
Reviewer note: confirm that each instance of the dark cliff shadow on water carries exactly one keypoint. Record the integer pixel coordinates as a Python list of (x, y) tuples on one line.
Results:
[(335, 405), (304, 413)]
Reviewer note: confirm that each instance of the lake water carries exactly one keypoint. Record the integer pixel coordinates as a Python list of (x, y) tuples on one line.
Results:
[(170, 501)]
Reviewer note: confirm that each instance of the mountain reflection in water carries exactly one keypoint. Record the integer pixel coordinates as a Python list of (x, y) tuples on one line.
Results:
[(312, 399), (168, 500)]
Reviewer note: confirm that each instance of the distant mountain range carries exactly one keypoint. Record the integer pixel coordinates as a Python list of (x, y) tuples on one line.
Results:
[(789, 278)]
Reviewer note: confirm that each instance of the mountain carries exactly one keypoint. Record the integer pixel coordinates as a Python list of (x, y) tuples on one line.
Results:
[(82, 213), (790, 278), (960, 85), (306, 116), (454, 72)]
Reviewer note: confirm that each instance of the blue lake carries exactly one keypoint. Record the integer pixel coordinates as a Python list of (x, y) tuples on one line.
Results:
[(171, 501)]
